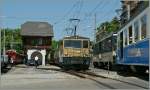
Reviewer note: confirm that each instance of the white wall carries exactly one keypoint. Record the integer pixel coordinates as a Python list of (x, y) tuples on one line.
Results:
[(43, 52)]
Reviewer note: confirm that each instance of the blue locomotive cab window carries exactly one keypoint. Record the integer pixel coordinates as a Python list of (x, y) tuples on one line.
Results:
[(72, 43), (143, 22)]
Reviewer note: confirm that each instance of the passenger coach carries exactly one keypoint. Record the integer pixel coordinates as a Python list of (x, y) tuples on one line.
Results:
[(133, 43)]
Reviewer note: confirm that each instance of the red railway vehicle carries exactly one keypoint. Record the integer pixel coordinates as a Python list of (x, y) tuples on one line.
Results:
[(16, 57)]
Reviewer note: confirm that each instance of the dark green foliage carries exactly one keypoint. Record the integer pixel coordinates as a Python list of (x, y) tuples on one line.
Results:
[(54, 44), (12, 39), (111, 26)]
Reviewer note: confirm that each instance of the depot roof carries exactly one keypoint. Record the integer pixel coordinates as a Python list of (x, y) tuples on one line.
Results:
[(31, 28)]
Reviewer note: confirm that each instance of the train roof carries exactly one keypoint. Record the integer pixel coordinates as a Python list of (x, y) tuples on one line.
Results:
[(75, 37), (34, 28), (107, 36)]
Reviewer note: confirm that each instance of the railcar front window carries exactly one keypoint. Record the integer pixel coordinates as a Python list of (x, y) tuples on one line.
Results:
[(100, 47), (96, 49), (106, 45), (72, 43), (143, 22)]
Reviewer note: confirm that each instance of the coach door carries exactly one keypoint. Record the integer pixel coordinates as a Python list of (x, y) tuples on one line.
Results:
[(121, 45)]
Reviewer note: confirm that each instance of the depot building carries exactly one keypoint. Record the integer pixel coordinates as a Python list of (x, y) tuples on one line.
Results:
[(37, 40)]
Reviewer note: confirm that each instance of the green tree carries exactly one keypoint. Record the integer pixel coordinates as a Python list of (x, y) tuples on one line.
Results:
[(12, 38), (54, 44), (111, 26)]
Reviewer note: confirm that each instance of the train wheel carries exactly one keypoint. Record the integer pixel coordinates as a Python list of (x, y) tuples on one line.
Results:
[(95, 64), (100, 65), (66, 68)]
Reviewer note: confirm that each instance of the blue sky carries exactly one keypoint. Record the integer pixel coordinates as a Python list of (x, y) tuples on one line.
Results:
[(58, 12)]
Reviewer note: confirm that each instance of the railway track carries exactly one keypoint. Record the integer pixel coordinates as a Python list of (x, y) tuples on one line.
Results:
[(90, 77), (94, 77)]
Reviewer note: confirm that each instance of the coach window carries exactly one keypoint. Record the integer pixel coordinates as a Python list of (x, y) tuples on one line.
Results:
[(85, 44), (136, 31), (130, 35), (143, 22), (126, 37), (118, 41)]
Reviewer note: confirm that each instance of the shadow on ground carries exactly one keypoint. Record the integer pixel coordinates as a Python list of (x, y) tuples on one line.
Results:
[(142, 76), (5, 70), (128, 73)]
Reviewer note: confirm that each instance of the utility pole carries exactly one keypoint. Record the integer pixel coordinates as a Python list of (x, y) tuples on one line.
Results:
[(4, 45), (95, 28), (0, 41), (12, 39), (94, 39)]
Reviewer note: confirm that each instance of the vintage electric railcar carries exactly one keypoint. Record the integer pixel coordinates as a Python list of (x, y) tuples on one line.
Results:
[(74, 52), (104, 51)]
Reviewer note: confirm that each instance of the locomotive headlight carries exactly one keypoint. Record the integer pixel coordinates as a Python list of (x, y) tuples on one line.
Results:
[(68, 55), (84, 55), (65, 54)]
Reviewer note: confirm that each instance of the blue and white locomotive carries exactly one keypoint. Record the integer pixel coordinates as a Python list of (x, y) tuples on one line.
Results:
[(133, 43)]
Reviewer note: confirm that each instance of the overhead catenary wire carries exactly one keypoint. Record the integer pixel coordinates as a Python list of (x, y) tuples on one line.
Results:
[(14, 17), (67, 13), (78, 9), (108, 12), (100, 5), (102, 14), (75, 14), (98, 9)]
